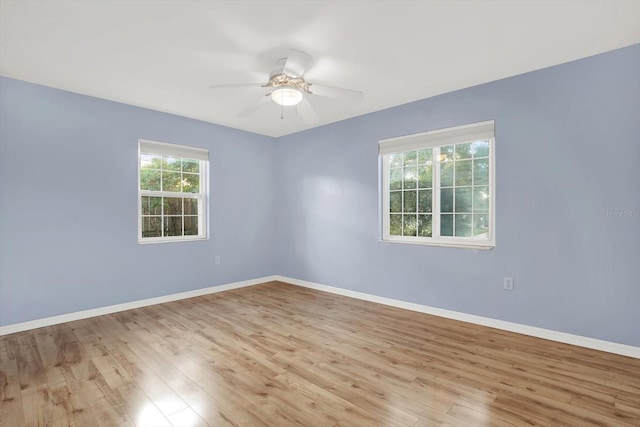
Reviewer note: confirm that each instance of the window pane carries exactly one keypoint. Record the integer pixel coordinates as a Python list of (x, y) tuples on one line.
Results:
[(481, 171), (450, 181), (480, 148), (410, 227), (150, 179), (190, 225), (410, 177), (172, 206), (182, 180), (170, 163), (395, 201), (463, 199), (410, 158), (446, 174), (424, 226), (191, 206), (395, 160), (190, 183), (425, 176), (481, 199), (446, 200), (481, 225), (151, 226), (190, 166), (170, 181), (395, 225), (425, 156), (149, 161), (151, 205), (173, 226), (463, 172), (463, 225), (463, 151), (410, 201), (395, 179), (447, 153), (424, 201), (446, 225)]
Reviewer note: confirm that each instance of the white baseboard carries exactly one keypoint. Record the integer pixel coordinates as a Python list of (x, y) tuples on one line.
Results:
[(563, 337), (54, 320)]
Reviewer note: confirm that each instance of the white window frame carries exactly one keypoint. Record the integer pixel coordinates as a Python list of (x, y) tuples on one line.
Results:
[(180, 151), (435, 140)]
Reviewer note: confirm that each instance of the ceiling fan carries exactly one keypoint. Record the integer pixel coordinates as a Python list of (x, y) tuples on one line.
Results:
[(287, 87)]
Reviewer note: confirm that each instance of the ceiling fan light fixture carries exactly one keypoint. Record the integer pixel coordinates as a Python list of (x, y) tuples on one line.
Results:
[(286, 96)]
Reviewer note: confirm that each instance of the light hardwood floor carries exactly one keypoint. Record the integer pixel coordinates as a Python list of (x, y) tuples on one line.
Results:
[(280, 355)]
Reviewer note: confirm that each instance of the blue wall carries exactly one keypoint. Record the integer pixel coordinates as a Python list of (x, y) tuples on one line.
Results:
[(68, 205), (567, 152), (306, 205)]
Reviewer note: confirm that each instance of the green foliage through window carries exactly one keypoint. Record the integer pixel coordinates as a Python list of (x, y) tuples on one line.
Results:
[(458, 174), (464, 195), (171, 195)]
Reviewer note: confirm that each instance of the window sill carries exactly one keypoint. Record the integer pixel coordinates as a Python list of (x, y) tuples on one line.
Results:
[(464, 245), (149, 241)]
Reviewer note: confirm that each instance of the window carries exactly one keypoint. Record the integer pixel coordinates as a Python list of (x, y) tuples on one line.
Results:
[(172, 192), (438, 187)]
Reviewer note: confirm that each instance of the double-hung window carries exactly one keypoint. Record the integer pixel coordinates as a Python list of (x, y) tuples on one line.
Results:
[(172, 192), (438, 187)]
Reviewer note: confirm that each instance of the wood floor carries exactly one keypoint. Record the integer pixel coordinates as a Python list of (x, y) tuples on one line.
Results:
[(280, 355)]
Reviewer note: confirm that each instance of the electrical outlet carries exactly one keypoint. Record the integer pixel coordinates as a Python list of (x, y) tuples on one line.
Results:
[(507, 283), (217, 259)]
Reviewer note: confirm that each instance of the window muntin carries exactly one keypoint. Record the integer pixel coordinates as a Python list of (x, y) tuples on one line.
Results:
[(438, 187), (411, 193), (172, 192)]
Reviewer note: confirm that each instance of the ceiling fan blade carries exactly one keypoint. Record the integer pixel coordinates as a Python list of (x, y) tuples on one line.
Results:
[(296, 63), (307, 112), (335, 92), (253, 107), (235, 85)]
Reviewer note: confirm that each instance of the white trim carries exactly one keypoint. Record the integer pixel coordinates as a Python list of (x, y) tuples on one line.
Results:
[(182, 151), (164, 149), (171, 239), (435, 242), (563, 337), (487, 241), (176, 194), (78, 315), (448, 136)]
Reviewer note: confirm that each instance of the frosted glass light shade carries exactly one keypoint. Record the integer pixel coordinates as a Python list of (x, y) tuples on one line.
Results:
[(286, 96)]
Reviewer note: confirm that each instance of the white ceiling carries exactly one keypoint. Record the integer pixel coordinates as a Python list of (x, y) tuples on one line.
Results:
[(164, 55)]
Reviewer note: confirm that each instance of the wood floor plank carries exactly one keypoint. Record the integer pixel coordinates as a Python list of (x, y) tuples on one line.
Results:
[(11, 409), (280, 355)]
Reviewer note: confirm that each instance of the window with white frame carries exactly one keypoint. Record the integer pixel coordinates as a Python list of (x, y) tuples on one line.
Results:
[(172, 192), (438, 187)]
